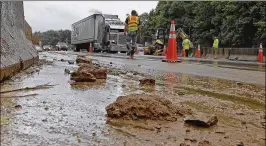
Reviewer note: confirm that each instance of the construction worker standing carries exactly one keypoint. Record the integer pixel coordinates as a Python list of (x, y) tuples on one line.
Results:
[(215, 47), (131, 31), (186, 45)]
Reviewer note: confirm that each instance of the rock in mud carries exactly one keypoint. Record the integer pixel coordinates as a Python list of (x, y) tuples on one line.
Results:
[(141, 106), (71, 61), (240, 144), (83, 59), (135, 73), (201, 120), (147, 82), (67, 71), (205, 143), (239, 83), (18, 106)]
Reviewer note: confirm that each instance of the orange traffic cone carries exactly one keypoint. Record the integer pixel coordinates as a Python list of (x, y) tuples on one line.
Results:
[(183, 53), (260, 55), (90, 48), (198, 52), (171, 55)]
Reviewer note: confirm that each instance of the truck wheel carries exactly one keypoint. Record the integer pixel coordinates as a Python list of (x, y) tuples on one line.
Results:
[(113, 52), (77, 49)]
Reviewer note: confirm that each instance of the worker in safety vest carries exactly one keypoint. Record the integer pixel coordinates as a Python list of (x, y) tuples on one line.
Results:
[(186, 45), (131, 31), (215, 47)]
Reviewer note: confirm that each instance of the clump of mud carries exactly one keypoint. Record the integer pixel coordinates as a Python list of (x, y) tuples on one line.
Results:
[(147, 82), (87, 71), (142, 106), (83, 59)]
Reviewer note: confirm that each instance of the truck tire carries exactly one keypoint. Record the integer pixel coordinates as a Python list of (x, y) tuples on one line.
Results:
[(113, 52), (77, 48)]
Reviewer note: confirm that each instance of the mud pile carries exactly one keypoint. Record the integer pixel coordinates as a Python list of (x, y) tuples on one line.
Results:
[(83, 59), (141, 106), (88, 72)]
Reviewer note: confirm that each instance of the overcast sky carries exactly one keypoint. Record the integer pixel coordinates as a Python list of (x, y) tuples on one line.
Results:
[(56, 15)]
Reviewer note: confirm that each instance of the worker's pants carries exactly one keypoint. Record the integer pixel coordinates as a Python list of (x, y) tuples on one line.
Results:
[(131, 36), (187, 52), (214, 52)]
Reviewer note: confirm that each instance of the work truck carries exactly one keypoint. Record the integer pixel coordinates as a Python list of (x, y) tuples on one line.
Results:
[(103, 32)]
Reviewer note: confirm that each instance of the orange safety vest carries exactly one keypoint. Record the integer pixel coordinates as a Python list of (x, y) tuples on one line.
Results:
[(133, 23)]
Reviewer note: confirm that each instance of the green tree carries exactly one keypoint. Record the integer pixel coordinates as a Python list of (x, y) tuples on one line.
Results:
[(236, 24)]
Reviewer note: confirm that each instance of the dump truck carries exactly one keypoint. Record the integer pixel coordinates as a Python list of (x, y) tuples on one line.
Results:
[(103, 32)]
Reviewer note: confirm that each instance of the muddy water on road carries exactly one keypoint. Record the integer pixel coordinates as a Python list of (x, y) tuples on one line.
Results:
[(66, 114), (61, 115)]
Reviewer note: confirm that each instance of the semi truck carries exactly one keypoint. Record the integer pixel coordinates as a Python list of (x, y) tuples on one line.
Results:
[(103, 32)]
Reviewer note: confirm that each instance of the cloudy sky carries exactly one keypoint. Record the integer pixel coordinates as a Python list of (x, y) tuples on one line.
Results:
[(45, 15)]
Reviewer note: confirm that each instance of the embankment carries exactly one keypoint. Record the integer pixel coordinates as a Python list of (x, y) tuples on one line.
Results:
[(17, 52)]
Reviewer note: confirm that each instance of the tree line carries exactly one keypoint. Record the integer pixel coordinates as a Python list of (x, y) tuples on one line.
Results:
[(52, 37), (235, 23)]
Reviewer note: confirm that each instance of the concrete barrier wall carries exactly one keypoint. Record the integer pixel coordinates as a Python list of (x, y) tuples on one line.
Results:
[(28, 31), (242, 54), (17, 52)]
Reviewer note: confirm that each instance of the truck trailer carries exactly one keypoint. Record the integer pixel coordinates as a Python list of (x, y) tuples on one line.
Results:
[(104, 32)]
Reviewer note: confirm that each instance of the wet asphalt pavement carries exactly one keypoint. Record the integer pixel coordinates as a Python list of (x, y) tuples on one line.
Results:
[(253, 75), (74, 115)]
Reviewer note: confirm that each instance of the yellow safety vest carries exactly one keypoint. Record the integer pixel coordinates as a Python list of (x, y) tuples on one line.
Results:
[(215, 43), (186, 44), (133, 23)]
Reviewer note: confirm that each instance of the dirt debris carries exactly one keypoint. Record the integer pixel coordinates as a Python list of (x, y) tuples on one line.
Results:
[(142, 106), (71, 62), (44, 86), (240, 144), (18, 106), (67, 71), (89, 73), (201, 120), (83, 76), (205, 143), (17, 96), (183, 144), (147, 82), (83, 59)]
